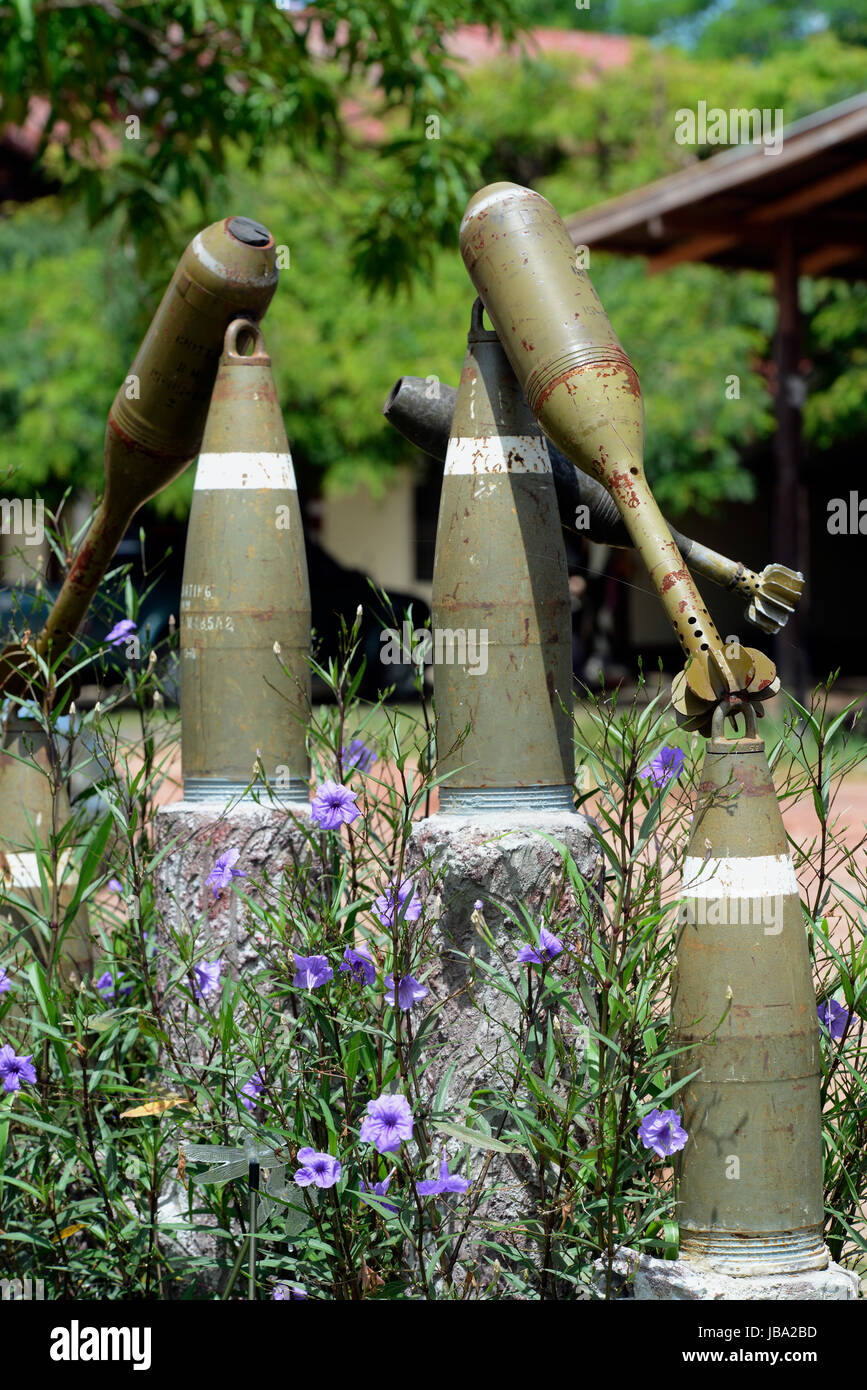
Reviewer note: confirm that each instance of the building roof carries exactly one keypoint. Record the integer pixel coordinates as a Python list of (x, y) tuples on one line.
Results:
[(728, 209)]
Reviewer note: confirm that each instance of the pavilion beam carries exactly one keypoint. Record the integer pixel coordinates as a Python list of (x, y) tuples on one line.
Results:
[(790, 517)]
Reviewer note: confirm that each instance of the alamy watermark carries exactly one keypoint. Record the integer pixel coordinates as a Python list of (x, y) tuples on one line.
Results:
[(25, 518), (22, 1290), (738, 126), (444, 646), (765, 911)]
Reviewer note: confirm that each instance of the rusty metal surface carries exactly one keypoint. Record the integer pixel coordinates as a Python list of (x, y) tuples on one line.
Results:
[(750, 1177), (584, 391), (421, 409), (500, 574), (156, 421), (245, 588)]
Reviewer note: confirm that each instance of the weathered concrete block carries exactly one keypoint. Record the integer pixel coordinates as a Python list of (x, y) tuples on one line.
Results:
[(645, 1278), (270, 838), (504, 859)]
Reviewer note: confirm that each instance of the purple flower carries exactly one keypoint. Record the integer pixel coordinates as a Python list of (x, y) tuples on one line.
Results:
[(320, 1169), (409, 991), (115, 885), (550, 946), (206, 977), (333, 805), (222, 873), (446, 1182), (380, 1189), (834, 1018), (106, 985), (478, 905), (662, 1132), (252, 1089), (289, 1291), (14, 1069), (5, 982), (665, 767), (312, 971), (120, 632), (357, 754), (387, 1122), (386, 909), (360, 964)]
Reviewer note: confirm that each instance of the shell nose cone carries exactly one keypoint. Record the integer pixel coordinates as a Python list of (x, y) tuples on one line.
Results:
[(249, 232)]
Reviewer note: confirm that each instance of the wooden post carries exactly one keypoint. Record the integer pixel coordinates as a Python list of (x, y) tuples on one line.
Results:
[(790, 520)]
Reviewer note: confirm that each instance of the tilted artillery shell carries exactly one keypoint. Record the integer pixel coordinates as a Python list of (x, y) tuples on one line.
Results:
[(245, 588), (501, 589), (155, 424), (584, 391), (750, 1181)]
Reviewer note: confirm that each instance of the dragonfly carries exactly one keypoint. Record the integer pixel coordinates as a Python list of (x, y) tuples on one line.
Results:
[(229, 1163)]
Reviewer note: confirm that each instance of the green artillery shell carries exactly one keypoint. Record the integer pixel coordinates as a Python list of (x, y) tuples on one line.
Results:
[(582, 388), (750, 1188), (421, 409), (501, 625), (245, 589), (155, 424), (27, 817)]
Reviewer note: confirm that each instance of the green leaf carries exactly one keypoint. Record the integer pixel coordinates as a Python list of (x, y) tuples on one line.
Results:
[(477, 1139)]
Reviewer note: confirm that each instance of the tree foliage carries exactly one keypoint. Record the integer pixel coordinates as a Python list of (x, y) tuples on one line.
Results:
[(76, 301)]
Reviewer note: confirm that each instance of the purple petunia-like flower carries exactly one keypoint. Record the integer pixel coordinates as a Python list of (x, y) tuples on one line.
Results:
[(662, 1132), (106, 986), (120, 632), (14, 1069), (359, 964), (320, 1170), (206, 977), (665, 767), (357, 754), (393, 903), (550, 946), (289, 1291), (252, 1089), (387, 1123), (380, 1189), (224, 871), (312, 971), (409, 991), (5, 982), (446, 1182), (115, 885), (333, 806), (834, 1018)]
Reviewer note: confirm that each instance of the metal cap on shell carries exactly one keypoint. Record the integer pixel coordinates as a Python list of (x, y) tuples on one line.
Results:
[(250, 232)]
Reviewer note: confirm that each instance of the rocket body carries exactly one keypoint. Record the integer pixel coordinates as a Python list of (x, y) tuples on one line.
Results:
[(155, 424)]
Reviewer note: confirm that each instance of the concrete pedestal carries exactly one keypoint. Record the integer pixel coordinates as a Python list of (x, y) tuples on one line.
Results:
[(668, 1281), (270, 839), (501, 858)]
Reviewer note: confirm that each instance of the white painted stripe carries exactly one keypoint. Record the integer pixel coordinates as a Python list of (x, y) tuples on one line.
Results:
[(498, 453), (22, 870), (217, 268), (245, 471), (764, 876)]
